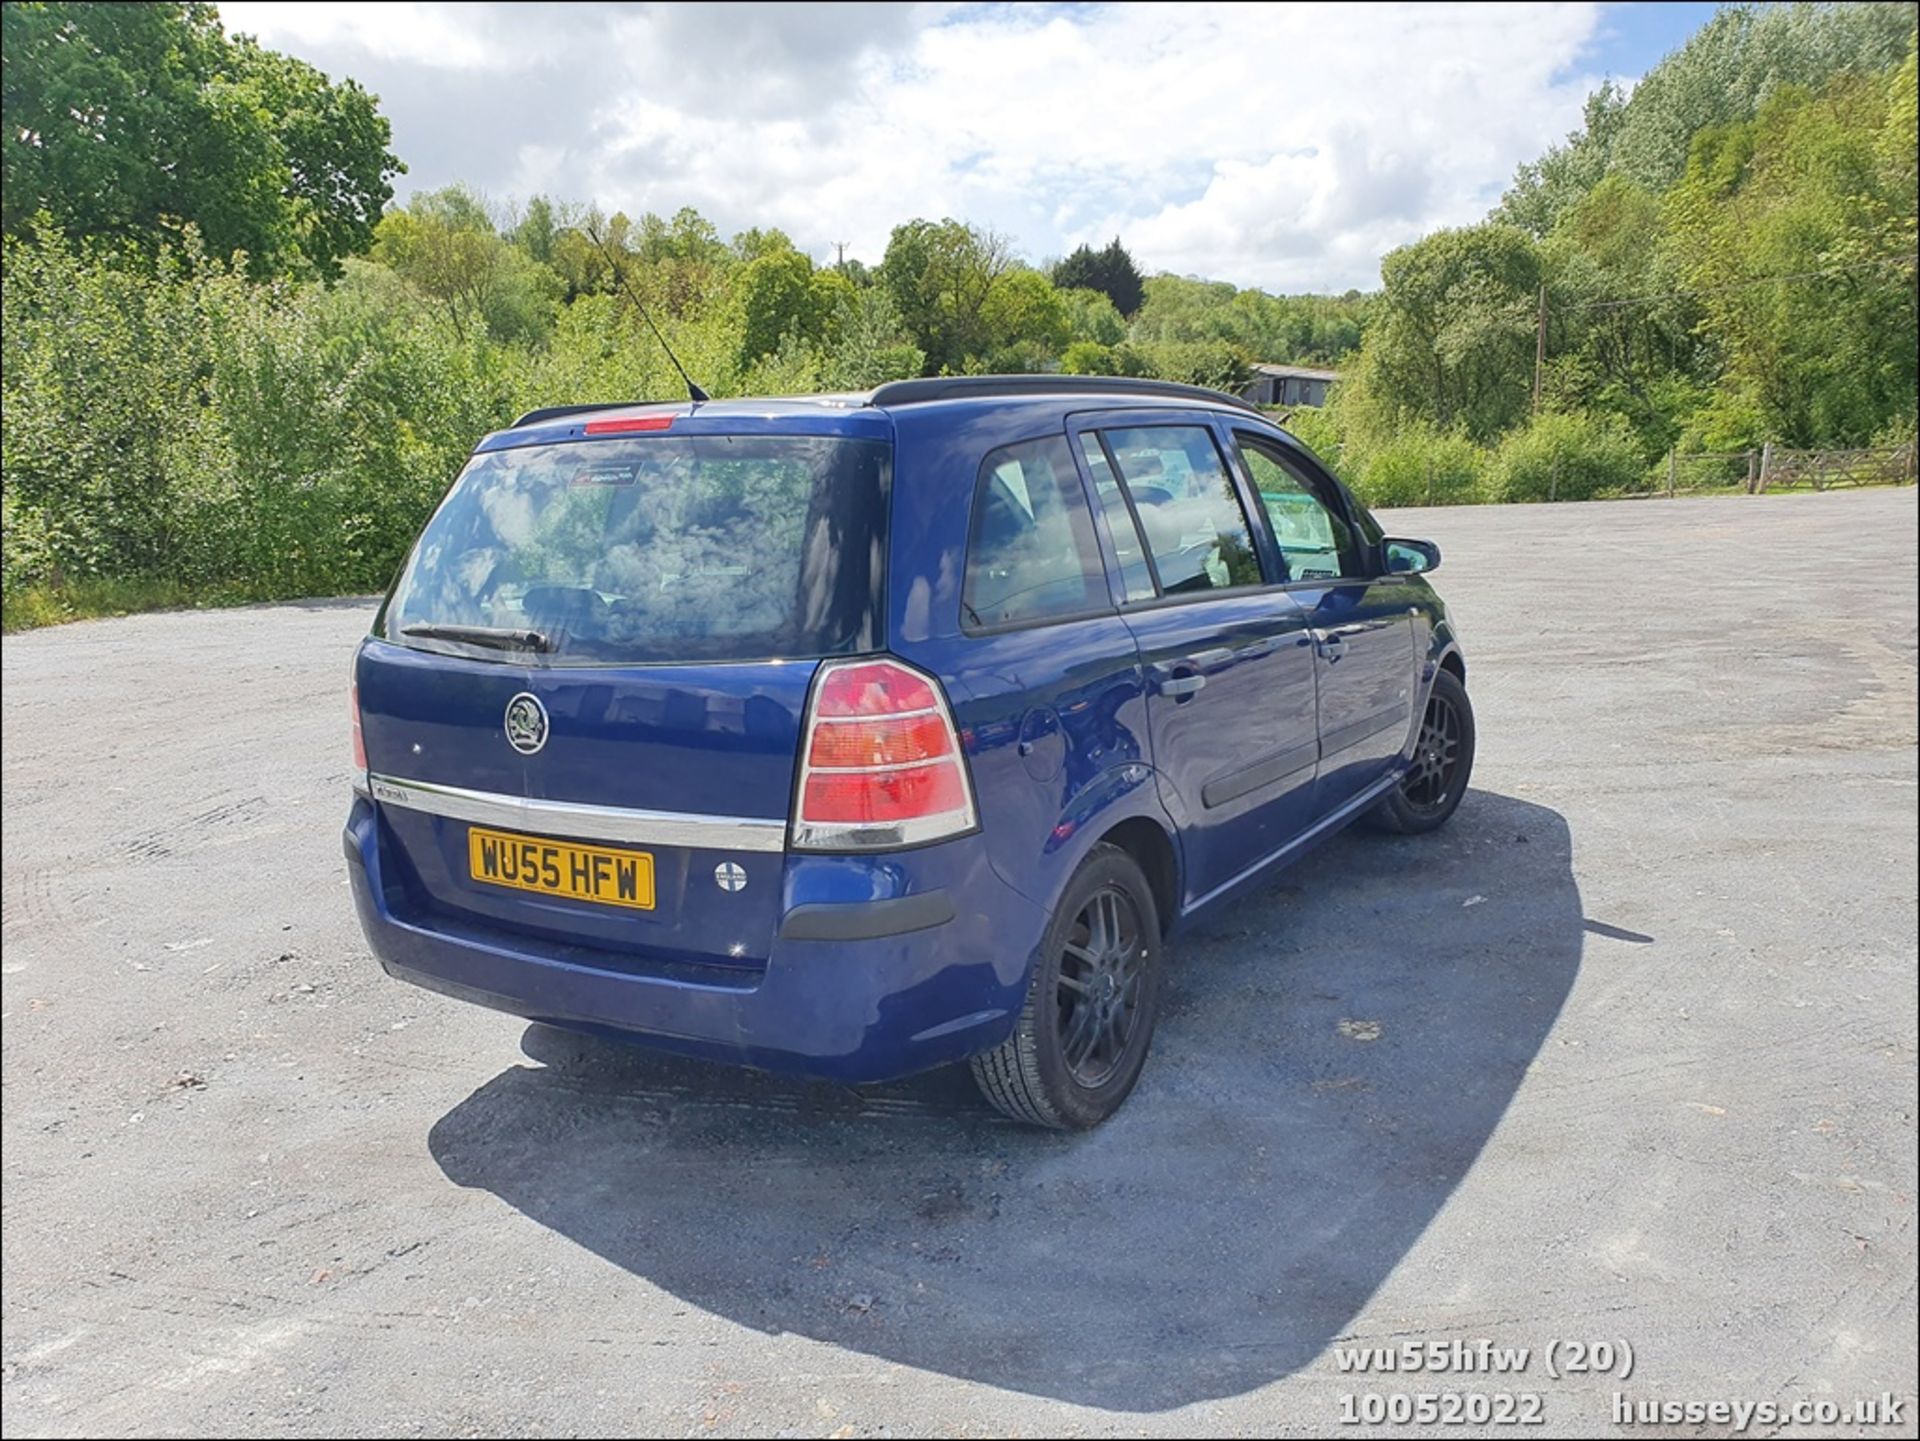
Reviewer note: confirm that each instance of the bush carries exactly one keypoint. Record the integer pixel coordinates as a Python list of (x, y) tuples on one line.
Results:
[(1087, 357), (190, 426), (1215, 364), (1315, 427), (1422, 466), (1568, 456)]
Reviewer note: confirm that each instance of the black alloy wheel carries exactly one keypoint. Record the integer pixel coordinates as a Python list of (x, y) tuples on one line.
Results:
[(1436, 755), (1437, 772), (1100, 971)]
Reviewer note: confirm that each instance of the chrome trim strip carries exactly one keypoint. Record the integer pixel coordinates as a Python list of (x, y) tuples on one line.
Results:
[(582, 822), (880, 835)]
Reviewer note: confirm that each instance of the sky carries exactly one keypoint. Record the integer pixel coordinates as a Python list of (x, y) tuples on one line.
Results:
[(1285, 146)]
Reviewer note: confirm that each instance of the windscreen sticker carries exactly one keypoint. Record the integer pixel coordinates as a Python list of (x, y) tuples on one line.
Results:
[(606, 475)]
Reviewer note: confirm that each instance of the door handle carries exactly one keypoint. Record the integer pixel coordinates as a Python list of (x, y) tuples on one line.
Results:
[(1179, 680), (1332, 644)]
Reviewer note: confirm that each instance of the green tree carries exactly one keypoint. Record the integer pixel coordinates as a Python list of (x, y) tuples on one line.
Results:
[(1283, 328), (581, 261), (683, 261), (1734, 63), (1544, 189), (1722, 75), (870, 347), (940, 275), (125, 119), (538, 229), (445, 246), (1453, 335), (1091, 317), (1621, 336), (1024, 311), (1804, 191), (782, 295), (753, 243), (1110, 271)]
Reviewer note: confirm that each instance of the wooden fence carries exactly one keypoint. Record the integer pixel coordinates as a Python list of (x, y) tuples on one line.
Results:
[(1772, 467), (1825, 469)]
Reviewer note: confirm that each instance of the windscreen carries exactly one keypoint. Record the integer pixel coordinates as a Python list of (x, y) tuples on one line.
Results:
[(656, 548)]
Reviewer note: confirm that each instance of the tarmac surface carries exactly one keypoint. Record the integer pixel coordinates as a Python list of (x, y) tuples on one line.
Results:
[(1627, 1054)]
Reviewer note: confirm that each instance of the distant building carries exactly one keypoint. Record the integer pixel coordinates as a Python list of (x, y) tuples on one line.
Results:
[(1289, 385)]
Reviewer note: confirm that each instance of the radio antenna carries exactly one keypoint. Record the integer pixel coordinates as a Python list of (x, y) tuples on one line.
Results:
[(694, 392)]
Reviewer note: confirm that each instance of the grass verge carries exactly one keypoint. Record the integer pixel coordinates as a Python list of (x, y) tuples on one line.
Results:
[(29, 607)]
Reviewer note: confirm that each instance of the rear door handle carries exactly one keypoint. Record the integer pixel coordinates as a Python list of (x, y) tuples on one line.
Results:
[(1332, 644)]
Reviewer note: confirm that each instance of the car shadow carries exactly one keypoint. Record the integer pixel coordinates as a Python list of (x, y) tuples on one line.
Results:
[(1334, 1052)]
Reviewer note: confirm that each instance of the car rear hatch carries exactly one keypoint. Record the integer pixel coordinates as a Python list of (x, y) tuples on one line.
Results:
[(583, 702)]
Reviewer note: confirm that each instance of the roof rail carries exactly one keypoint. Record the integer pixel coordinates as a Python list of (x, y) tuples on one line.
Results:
[(554, 412), (962, 387)]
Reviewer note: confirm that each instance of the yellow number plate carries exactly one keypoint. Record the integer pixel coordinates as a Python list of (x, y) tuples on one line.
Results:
[(560, 868)]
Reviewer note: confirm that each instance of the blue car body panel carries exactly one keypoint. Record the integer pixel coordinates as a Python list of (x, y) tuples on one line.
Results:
[(867, 966)]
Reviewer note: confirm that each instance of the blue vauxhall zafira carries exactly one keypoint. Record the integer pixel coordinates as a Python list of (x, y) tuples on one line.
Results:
[(853, 735)]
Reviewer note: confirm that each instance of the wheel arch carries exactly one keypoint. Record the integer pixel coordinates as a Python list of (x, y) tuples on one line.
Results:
[(1151, 846)]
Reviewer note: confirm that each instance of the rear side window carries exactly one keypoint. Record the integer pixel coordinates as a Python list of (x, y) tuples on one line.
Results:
[(662, 548), (1031, 555), (1195, 530), (1126, 535)]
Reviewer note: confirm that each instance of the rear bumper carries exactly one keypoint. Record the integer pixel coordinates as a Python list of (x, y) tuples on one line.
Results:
[(929, 966)]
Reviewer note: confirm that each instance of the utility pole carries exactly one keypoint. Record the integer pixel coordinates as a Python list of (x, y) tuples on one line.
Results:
[(840, 256), (1539, 347)]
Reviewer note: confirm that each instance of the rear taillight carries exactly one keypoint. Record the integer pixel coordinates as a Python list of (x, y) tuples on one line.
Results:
[(881, 763), (359, 741)]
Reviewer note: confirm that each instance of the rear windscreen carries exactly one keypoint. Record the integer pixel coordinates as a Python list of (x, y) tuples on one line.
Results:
[(659, 548)]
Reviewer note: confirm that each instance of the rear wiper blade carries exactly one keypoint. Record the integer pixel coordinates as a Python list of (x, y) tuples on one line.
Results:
[(498, 636)]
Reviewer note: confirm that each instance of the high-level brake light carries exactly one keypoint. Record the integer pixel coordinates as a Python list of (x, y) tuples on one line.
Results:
[(627, 424)]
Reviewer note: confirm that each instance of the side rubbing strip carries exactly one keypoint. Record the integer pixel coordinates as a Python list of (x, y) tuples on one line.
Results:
[(1264, 772), (1354, 732), (580, 821)]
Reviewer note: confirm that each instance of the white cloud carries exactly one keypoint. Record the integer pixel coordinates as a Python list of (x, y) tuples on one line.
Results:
[(1286, 146), (430, 35)]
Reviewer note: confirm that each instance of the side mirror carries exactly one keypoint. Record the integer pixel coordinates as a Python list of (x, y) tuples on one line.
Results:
[(1409, 557)]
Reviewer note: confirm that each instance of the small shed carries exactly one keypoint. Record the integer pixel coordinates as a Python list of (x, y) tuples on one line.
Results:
[(1288, 385)]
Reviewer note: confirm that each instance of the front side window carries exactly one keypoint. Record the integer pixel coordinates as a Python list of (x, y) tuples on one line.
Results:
[(1195, 530), (1315, 542), (663, 548), (1032, 554)]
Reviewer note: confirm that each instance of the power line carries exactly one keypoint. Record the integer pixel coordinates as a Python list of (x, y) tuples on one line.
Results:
[(1828, 274)]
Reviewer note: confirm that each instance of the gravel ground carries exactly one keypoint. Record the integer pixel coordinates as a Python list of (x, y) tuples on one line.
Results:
[(1626, 1054)]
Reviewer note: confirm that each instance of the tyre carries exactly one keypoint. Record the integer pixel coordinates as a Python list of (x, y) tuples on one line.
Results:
[(1082, 1036), (1430, 791)]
